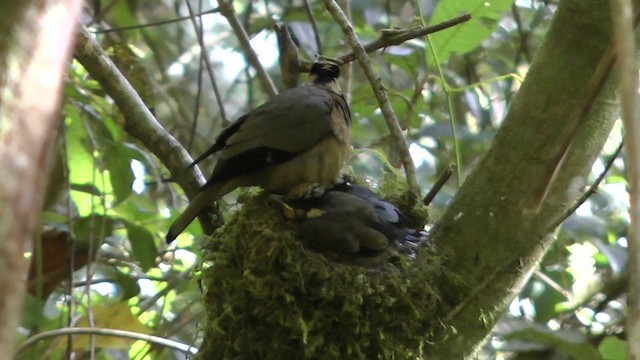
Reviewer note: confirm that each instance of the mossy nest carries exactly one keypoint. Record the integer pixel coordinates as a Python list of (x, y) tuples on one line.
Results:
[(267, 297)]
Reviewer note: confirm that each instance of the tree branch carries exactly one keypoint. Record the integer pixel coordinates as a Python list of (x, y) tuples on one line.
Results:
[(109, 332), (393, 37), (380, 93), (624, 42), (139, 122), (487, 217), (396, 37), (226, 9)]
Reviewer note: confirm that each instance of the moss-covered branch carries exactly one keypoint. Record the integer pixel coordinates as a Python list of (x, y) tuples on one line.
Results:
[(492, 242)]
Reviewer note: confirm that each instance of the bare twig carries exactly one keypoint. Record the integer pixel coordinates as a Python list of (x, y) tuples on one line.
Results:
[(226, 9), (158, 23), (523, 49), (439, 184), (204, 57), (108, 332), (138, 120), (314, 26), (197, 27), (592, 189), (380, 93), (348, 67), (395, 37), (387, 39), (627, 69), (417, 95)]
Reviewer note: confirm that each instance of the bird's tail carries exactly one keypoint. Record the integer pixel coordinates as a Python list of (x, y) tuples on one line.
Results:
[(204, 198)]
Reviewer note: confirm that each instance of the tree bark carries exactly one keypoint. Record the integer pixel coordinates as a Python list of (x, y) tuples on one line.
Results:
[(35, 43), (490, 239)]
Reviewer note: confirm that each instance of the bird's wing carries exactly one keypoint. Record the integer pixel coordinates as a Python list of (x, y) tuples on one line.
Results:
[(277, 131), (293, 121), (221, 140)]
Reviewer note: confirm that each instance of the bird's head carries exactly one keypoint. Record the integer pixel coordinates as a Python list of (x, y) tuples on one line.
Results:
[(323, 72)]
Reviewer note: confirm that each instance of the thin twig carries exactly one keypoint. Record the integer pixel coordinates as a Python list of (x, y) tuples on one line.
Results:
[(395, 37), (523, 49), (212, 77), (418, 86), (197, 27), (108, 332), (380, 93), (444, 177), (314, 26), (387, 39), (163, 22), (592, 190), (348, 67), (138, 120), (226, 9)]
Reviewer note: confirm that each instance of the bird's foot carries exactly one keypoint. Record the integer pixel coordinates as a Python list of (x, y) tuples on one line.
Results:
[(290, 211), (305, 191), (342, 179)]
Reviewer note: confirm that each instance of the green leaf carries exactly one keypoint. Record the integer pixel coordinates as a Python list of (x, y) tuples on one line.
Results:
[(84, 170), (465, 37), (613, 348), (143, 247), (138, 208), (118, 162)]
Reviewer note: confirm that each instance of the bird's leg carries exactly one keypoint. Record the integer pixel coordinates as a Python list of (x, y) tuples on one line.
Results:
[(287, 210)]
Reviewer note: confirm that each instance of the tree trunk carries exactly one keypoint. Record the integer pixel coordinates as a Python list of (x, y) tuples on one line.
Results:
[(35, 43), (490, 234)]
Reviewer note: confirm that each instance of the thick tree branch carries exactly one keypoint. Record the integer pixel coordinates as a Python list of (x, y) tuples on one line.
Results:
[(139, 122), (487, 215), (380, 93)]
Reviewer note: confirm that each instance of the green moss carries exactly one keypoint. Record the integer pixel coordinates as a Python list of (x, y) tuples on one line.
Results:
[(393, 188), (269, 298)]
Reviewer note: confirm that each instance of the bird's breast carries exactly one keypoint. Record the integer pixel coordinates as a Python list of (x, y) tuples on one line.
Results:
[(321, 165)]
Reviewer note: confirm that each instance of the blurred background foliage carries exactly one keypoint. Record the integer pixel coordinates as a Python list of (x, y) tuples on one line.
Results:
[(110, 201)]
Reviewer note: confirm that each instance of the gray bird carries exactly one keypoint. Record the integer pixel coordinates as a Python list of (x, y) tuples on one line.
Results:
[(295, 144), (355, 224)]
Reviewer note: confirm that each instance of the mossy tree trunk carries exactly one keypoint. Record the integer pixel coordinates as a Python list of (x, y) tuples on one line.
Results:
[(492, 234)]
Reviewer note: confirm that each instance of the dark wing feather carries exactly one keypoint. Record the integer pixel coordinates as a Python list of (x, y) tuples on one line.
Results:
[(248, 161), (221, 141), (293, 121)]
